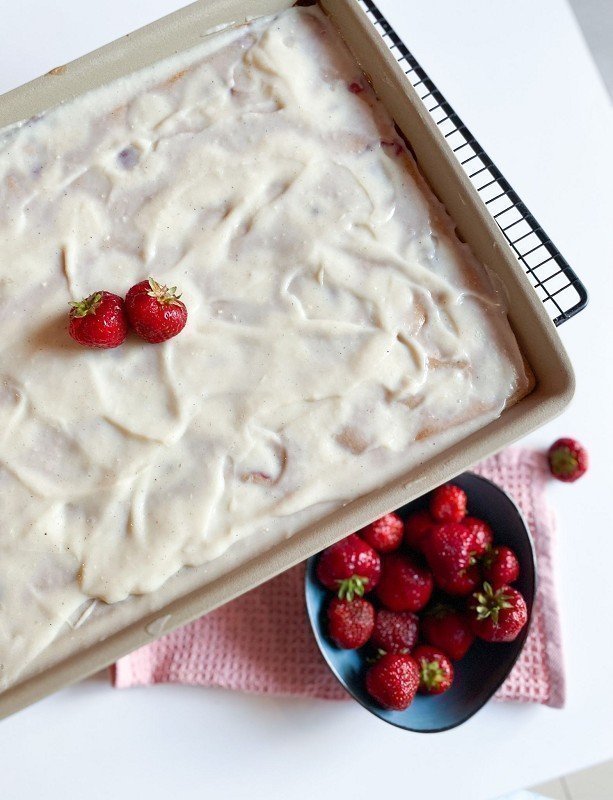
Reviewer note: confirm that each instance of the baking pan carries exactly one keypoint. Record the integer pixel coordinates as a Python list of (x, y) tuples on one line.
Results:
[(195, 591)]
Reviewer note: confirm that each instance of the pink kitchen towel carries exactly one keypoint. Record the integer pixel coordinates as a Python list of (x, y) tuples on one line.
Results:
[(262, 642)]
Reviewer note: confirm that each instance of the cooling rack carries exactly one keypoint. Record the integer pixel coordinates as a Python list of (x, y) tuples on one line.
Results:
[(554, 280)]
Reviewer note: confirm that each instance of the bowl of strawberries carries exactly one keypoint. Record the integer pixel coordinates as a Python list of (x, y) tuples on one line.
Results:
[(422, 614)]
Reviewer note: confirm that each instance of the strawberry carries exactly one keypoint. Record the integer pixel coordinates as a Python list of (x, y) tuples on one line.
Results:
[(393, 681), (444, 627), (497, 615), (349, 567), (395, 631), (99, 320), (448, 503), (500, 567), (480, 535), (435, 669), (405, 585), (155, 312), (350, 622), (384, 534), (417, 528), (459, 584), (568, 460), (447, 552)]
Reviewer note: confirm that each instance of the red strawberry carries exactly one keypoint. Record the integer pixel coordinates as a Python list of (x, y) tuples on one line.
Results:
[(568, 460), (350, 622), (461, 583), (448, 503), (480, 535), (497, 615), (448, 554), (405, 585), (384, 534), (435, 669), (416, 528), (349, 567), (155, 311), (444, 627), (99, 320), (500, 566), (395, 631), (393, 681)]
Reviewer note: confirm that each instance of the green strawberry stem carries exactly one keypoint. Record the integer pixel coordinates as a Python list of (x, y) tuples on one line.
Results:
[(81, 308), (563, 461), (432, 674), (163, 294), (350, 587), (490, 603)]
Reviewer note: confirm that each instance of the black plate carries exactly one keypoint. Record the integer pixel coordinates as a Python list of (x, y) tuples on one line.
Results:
[(484, 668)]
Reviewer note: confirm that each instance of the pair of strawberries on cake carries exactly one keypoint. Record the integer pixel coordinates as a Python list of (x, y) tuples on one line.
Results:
[(153, 311)]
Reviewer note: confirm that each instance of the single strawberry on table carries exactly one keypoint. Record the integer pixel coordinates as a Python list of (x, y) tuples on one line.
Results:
[(500, 566), (417, 527), (449, 557), (435, 669), (448, 503), (155, 311), (497, 615), (349, 567), (405, 585), (448, 629), (384, 534), (395, 631), (99, 320), (350, 622), (393, 681), (480, 535), (568, 460)]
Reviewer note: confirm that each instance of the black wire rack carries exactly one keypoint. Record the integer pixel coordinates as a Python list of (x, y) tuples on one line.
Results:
[(554, 280)]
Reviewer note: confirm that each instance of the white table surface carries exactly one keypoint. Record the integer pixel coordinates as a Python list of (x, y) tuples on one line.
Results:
[(521, 77)]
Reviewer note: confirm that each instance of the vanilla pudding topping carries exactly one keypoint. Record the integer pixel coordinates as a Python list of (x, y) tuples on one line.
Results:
[(338, 331)]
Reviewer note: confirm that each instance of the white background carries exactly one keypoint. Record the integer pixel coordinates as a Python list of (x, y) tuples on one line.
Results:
[(520, 76)]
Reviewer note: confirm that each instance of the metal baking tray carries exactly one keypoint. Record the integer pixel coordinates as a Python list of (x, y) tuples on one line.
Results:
[(193, 592)]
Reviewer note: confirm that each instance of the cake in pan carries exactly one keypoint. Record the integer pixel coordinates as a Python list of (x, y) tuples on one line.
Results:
[(339, 332)]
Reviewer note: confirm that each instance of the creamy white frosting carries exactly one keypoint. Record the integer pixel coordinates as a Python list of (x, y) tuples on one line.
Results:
[(338, 330)]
